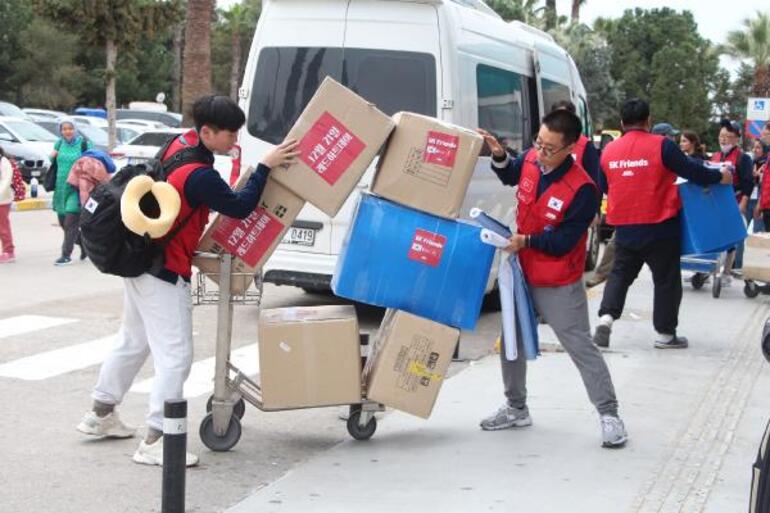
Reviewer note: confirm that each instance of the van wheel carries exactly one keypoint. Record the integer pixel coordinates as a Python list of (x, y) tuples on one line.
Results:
[(592, 249)]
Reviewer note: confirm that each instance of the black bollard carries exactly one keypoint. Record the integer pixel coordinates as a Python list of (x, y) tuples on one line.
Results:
[(174, 455)]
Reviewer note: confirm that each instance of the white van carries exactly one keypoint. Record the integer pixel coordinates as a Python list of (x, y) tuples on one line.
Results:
[(453, 59)]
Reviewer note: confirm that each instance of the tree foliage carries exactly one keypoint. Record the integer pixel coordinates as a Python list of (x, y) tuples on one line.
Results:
[(13, 13), (753, 44)]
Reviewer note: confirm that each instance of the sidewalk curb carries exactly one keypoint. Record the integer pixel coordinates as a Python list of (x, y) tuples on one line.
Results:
[(31, 204)]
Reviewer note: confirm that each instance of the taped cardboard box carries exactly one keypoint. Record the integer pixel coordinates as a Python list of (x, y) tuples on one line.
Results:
[(756, 257), (309, 356), (252, 240), (427, 164), (408, 362), (340, 133)]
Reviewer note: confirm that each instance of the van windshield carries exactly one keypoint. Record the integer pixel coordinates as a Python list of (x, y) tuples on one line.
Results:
[(286, 79)]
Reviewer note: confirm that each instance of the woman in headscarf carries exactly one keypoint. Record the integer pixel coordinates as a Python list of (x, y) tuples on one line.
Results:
[(91, 169), (66, 202)]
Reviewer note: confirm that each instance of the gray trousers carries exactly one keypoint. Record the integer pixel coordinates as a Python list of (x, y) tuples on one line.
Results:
[(565, 309)]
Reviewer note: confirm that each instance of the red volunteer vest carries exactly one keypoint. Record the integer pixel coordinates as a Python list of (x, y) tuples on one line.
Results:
[(764, 191), (179, 251), (580, 149), (641, 189), (733, 157), (535, 215)]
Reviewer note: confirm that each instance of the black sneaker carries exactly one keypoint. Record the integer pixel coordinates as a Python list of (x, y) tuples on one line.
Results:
[(83, 255), (674, 343), (63, 261), (602, 335)]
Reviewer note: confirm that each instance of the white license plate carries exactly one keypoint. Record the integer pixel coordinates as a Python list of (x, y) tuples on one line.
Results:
[(35, 173), (300, 236)]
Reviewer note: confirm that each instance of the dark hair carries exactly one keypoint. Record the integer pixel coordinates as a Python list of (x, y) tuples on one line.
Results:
[(565, 123), (731, 126), (694, 140), (218, 112), (564, 105), (634, 112)]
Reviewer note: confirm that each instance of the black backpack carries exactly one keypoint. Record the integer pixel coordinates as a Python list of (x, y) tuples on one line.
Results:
[(112, 247)]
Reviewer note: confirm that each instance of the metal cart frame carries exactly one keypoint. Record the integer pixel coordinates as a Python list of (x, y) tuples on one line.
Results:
[(220, 429), (704, 266)]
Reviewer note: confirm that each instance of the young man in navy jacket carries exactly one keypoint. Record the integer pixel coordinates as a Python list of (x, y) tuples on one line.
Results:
[(557, 202), (157, 310)]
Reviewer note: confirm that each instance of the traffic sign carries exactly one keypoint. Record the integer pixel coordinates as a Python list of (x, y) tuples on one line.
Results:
[(758, 109)]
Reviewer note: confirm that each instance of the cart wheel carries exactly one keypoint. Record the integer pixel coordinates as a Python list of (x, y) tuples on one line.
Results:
[(751, 290), (239, 408), (698, 279), (220, 443), (716, 287), (358, 432)]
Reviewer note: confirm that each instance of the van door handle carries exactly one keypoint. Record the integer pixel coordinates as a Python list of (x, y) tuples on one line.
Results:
[(311, 225)]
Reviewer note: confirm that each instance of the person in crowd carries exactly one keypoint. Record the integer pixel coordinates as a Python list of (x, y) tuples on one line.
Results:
[(91, 169), (7, 249), (743, 182), (666, 130), (557, 202), (66, 201), (638, 174), (157, 306), (762, 210), (759, 155), (691, 146)]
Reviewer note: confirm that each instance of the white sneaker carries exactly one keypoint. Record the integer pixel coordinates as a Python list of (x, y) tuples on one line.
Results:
[(152, 454), (109, 426), (613, 432)]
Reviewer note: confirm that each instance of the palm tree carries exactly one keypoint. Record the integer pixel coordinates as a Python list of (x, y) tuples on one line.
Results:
[(576, 4), (196, 75), (550, 14), (753, 44), (240, 22)]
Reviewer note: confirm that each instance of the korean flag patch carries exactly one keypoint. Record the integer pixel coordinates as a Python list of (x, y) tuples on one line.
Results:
[(555, 204), (91, 205)]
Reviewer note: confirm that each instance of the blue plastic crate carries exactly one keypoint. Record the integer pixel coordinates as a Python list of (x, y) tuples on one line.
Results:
[(711, 221), (397, 257)]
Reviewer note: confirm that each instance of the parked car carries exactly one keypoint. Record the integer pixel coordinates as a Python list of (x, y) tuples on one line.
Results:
[(143, 123), (171, 119), (144, 147), (97, 135), (28, 143), (126, 132), (11, 110), (89, 120), (43, 114)]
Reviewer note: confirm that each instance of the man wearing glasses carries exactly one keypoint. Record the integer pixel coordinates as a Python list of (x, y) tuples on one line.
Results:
[(639, 171), (557, 201)]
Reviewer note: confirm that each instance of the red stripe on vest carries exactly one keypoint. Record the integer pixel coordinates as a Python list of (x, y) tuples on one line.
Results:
[(580, 149), (535, 215), (732, 157), (179, 251), (764, 191), (641, 190)]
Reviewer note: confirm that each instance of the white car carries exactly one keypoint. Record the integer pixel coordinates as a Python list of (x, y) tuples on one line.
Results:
[(29, 143), (44, 114), (142, 123), (144, 147), (89, 120)]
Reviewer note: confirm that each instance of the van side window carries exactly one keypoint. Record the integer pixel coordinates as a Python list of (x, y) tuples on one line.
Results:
[(553, 92), (286, 79), (501, 104)]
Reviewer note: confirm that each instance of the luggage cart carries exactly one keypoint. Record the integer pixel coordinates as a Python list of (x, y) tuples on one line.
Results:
[(703, 266), (220, 429), (753, 288)]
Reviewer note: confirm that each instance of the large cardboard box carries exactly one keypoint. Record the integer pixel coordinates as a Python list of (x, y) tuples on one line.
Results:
[(252, 240), (427, 164), (309, 356), (397, 257), (340, 133), (756, 258), (408, 362)]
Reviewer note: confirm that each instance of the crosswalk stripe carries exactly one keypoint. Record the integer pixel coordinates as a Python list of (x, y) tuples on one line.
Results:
[(59, 361), (28, 323), (201, 379)]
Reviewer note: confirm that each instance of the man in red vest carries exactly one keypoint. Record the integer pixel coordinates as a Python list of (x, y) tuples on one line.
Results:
[(762, 210), (639, 171), (557, 201), (743, 183), (157, 309)]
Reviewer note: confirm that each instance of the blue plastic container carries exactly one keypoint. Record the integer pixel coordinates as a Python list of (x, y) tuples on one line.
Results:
[(396, 257), (711, 221)]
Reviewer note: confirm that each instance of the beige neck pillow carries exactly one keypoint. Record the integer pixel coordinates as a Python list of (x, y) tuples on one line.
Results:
[(132, 215)]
